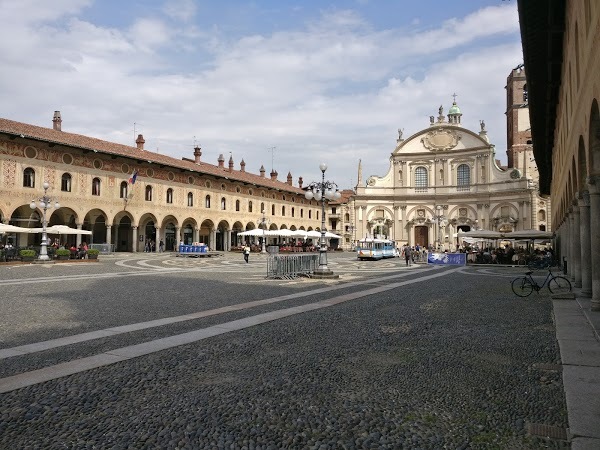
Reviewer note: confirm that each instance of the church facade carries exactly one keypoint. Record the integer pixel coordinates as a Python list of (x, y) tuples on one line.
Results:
[(445, 178)]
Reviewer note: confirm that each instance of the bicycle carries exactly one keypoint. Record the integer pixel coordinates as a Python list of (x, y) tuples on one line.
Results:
[(524, 286)]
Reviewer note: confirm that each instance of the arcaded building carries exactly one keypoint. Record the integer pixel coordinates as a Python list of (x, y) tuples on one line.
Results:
[(171, 199), (561, 52)]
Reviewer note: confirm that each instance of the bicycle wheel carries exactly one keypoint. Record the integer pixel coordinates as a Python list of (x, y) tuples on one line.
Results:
[(559, 285), (522, 286)]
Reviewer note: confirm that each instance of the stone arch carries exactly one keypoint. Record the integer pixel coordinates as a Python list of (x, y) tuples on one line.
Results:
[(594, 140), (169, 232), (122, 231), (95, 221), (207, 226)]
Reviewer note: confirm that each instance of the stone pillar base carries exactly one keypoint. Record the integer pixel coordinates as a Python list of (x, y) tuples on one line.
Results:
[(321, 274)]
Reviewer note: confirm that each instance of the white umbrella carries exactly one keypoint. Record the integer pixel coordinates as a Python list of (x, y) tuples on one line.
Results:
[(58, 229), (332, 235), (4, 228)]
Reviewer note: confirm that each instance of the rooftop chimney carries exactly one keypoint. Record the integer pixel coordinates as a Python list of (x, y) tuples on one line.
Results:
[(273, 175), (300, 182), (242, 166), (231, 163), (262, 171), (197, 154), (140, 142), (289, 178), (221, 161), (56, 121)]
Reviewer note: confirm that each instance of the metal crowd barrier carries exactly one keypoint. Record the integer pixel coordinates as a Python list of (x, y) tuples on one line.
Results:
[(291, 266), (104, 249)]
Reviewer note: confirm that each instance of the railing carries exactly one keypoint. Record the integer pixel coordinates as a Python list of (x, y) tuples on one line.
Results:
[(104, 249), (291, 266)]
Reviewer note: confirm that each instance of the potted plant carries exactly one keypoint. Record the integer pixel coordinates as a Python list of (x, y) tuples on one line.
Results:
[(92, 253), (27, 254), (63, 253)]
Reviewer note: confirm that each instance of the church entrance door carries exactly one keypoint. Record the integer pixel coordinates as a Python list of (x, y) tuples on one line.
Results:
[(422, 236)]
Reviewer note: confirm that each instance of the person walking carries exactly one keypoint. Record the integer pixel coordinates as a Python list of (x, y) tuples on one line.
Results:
[(407, 254), (161, 246), (246, 253)]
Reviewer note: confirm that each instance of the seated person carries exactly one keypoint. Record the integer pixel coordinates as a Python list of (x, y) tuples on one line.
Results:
[(83, 248)]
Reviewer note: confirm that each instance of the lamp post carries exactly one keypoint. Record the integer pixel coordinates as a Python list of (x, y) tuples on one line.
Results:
[(439, 218), (320, 191), (263, 221), (45, 203)]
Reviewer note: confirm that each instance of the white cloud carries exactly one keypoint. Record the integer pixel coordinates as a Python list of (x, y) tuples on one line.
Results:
[(336, 90)]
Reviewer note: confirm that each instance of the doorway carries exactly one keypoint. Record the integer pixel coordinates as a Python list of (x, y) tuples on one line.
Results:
[(422, 236)]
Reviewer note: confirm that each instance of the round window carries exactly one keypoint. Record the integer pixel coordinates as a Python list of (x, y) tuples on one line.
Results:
[(97, 164), (67, 158)]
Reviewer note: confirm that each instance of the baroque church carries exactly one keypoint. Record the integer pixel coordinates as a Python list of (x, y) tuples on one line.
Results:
[(445, 178)]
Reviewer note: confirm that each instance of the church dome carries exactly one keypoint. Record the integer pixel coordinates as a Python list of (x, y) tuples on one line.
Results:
[(454, 109)]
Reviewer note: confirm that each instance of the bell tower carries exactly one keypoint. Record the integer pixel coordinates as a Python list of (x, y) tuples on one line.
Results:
[(518, 128)]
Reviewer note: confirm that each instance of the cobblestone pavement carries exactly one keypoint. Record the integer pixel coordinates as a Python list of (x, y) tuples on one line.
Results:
[(386, 357)]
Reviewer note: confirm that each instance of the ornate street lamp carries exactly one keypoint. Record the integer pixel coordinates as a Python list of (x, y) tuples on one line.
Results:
[(263, 221), (321, 191), (45, 203)]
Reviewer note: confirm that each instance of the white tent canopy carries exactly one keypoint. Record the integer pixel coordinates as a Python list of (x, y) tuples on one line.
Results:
[(254, 232), (522, 234)]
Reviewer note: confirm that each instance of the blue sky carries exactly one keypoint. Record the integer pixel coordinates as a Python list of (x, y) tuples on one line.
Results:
[(319, 81)]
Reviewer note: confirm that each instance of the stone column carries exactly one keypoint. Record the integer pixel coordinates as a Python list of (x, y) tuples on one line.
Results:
[(566, 242), (594, 189), (135, 239), (575, 246), (363, 217), (403, 224), (156, 238), (109, 234), (196, 235), (584, 234), (227, 244), (177, 238), (397, 226), (78, 238), (213, 239)]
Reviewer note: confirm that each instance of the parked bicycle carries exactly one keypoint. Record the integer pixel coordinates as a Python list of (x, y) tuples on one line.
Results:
[(524, 286)]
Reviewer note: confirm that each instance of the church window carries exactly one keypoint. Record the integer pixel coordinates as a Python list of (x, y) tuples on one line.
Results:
[(421, 179), (463, 177)]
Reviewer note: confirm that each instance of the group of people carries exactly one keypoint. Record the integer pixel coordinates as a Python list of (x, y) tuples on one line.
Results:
[(79, 252), (150, 246)]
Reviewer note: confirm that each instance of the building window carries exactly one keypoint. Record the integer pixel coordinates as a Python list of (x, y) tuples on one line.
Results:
[(463, 177), (272, 210), (29, 177), (301, 213), (250, 206), (148, 193), (65, 182), (223, 203), (96, 186), (123, 189), (542, 215), (283, 210), (169, 195), (421, 179), (262, 207), (310, 213), (207, 201), (293, 211), (190, 199), (237, 205)]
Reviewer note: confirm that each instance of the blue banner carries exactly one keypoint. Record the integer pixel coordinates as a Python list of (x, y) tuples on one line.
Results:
[(447, 259)]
